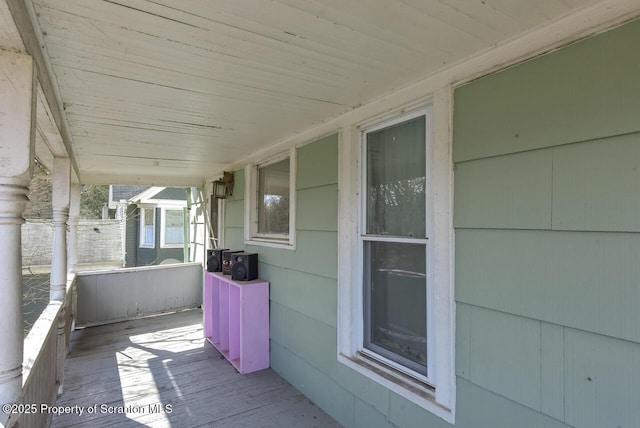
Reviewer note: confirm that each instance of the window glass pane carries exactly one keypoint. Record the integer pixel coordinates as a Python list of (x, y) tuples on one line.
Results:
[(148, 227), (273, 198), (396, 301), (148, 235), (148, 216), (173, 227), (396, 180)]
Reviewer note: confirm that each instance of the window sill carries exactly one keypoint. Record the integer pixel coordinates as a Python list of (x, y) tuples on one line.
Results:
[(273, 243), (172, 246), (148, 247), (413, 390)]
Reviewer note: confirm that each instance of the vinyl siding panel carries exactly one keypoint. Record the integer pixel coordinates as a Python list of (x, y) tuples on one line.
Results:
[(552, 370), (602, 381), (318, 163), (404, 413), (480, 408), (596, 185), (316, 385), (547, 261), (366, 417), (318, 208), (584, 280), (583, 92), (291, 329), (505, 355), (484, 199)]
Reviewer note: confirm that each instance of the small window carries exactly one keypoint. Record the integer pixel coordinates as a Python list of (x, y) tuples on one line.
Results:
[(172, 230), (271, 186), (273, 199), (147, 228)]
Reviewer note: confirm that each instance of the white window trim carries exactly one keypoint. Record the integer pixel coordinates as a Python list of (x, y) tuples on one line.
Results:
[(251, 236), (142, 244), (163, 211), (440, 397)]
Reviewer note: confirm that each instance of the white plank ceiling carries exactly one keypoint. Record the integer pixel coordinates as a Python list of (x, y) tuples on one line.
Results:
[(162, 91)]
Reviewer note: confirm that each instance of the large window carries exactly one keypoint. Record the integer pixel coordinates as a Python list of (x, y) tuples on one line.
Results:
[(172, 227), (394, 246), (147, 227), (270, 204), (395, 271)]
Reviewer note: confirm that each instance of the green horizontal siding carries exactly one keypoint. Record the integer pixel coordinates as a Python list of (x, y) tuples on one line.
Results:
[(371, 393), (586, 91), (291, 329), (515, 357), (505, 355), (234, 213), (547, 196), (306, 293), (316, 385), (238, 186), (602, 381), (596, 185), (585, 280), (480, 408), (318, 163), (404, 413), (234, 238), (317, 208), (364, 416), (484, 199), (552, 370)]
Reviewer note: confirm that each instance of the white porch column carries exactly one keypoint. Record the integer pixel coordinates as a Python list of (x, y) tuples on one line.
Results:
[(60, 200), (17, 125), (74, 218)]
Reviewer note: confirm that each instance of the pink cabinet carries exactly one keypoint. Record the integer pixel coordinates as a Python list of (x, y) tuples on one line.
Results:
[(236, 320)]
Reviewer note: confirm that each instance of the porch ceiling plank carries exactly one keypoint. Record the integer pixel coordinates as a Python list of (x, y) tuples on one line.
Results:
[(209, 83), (9, 35), (31, 35)]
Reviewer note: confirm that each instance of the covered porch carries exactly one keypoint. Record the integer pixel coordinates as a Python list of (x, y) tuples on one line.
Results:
[(178, 94)]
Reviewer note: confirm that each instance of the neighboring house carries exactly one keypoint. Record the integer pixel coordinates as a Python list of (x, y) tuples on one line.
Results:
[(154, 223)]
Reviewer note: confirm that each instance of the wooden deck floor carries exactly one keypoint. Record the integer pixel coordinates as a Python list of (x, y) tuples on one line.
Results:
[(144, 365)]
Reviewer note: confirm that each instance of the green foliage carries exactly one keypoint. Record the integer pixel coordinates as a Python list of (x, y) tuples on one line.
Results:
[(92, 199), (39, 205)]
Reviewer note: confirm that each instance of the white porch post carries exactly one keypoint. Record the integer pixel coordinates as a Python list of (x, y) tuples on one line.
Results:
[(60, 200), (74, 218), (17, 124)]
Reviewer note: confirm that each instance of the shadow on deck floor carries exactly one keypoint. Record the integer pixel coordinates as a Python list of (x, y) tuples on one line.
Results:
[(161, 373)]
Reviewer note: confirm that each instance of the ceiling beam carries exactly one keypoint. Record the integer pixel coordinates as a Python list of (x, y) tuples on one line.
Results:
[(31, 34)]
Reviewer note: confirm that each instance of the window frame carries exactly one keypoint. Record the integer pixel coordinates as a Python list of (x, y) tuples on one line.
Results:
[(363, 237), (252, 237), (436, 394), (163, 212), (142, 238)]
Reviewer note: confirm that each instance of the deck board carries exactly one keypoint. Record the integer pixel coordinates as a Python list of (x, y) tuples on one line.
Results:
[(165, 360)]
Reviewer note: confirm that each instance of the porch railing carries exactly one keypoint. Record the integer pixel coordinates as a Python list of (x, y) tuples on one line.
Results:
[(96, 298), (120, 294), (43, 358)]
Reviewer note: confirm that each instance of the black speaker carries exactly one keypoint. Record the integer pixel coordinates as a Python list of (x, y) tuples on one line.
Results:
[(244, 266), (214, 259), (226, 261)]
